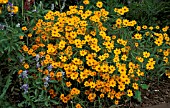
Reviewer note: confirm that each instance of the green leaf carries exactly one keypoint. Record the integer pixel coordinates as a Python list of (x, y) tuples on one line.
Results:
[(144, 86), (36, 92), (8, 83), (55, 102), (138, 96), (21, 104), (46, 103)]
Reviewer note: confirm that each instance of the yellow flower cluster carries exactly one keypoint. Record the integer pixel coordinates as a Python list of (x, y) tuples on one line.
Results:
[(94, 63), (122, 10), (120, 22)]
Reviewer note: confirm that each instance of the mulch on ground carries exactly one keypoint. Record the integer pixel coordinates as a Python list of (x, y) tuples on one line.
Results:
[(157, 95)]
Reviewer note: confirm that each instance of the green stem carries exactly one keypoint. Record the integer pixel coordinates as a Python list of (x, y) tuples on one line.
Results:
[(23, 9)]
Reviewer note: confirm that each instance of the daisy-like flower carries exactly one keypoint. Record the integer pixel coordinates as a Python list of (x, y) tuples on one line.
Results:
[(99, 4)]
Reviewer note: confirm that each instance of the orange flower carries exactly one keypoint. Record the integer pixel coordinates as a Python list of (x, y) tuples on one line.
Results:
[(53, 95), (65, 100), (25, 48), (51, 91), (21, 37), (62, 96), (24, 28), (92, 96), (68, 84), (19, 72), (116, 102), (102, 95), (29, 35), (59, 74), (52, 74), (46, 72), (78, 106), (26, 66)]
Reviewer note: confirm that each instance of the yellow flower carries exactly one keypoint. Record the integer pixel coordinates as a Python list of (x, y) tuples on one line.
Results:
[(101, 95), (149, 66), (112, 83), (167, 73), (135, 86), (121, 11), (165, 28), (144, 27), (68, 84), (140, 59), (74, 75), (15, 9), (86, 84), (138, 36), (99, 4), (124, 57), (129, 93), (81, 7), (146, 54), (117, 51), (77, 61), (136, 44), (92, 85), (116, 59), (138, 28), (125, 22), (63, 58), (158, 42), (125, 9), (91, 97), (26, 66), (121, 87), (29, 35), (62, 45), (73, 67), (101, 57), (157, 27), (105, 68), (166, 52), (86, 2), (83, 52), (116, 102), (78, 106), (151, 28), (118, 21), (4, 1), (24, 28)]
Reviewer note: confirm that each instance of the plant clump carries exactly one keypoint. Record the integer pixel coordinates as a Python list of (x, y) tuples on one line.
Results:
[(76, 58)]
